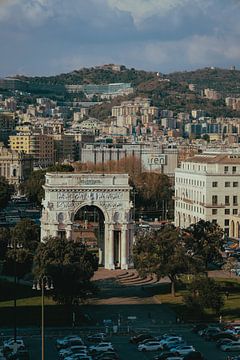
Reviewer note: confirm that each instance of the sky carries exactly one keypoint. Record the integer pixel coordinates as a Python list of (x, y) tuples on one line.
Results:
[(48, 37)]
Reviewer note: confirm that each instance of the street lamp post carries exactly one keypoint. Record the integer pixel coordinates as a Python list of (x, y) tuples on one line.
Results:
[(14, 245), (44, 282)]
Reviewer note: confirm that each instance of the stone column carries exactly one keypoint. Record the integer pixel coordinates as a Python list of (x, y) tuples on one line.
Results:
[(124, 248), (111, 248)]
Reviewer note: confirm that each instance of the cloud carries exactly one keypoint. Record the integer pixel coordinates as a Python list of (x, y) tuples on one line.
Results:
[(52, 36)]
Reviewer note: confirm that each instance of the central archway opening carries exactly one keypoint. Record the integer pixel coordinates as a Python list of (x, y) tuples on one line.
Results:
[(88, 228)]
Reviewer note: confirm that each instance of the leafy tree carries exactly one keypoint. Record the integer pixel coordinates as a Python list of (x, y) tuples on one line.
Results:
[(27, 234), (26, 237), (153, 191), (71, 267), (206, 293), (163, 253), (22, 259), (205, 241), (5, 238), (6, 190)]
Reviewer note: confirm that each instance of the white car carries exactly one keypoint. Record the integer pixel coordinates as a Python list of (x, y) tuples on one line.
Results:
[(150, 346), (103, 346), (10, 345), (171, 340), (72, 350), (233, 346), (64, 342), (183, 350)]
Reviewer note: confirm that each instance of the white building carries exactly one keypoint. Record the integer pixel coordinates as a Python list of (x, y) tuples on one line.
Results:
[(207, 187)]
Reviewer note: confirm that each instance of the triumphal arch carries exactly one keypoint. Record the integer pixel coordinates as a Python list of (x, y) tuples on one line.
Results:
[(67, 193)]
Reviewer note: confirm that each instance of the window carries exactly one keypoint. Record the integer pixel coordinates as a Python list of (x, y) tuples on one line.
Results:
[(214, 211), (227, 184), (225, 169), (235, 211), (227, 211), (226, 222), (235, 184), (214, 221), (214, 184), (227, 201), (235, 200), (234, 169), (214, 200)]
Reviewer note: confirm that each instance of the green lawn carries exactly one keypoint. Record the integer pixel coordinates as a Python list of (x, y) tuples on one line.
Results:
[(31, 301), (230, 311)]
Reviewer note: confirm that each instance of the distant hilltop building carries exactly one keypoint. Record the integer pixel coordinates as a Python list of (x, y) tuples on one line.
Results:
[(112, 67), (104, 91)]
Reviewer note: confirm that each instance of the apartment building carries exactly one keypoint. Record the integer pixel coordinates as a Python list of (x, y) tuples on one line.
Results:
[(40, 146), (208, 187), (14, 166)]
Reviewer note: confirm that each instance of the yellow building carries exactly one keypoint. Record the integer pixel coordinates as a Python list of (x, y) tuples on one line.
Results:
[(40, 146)]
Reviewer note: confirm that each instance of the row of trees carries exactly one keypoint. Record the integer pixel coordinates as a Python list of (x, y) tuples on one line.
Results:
[(173, 252)]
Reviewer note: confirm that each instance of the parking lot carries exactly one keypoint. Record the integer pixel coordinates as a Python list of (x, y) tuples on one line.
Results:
[(126, 350)]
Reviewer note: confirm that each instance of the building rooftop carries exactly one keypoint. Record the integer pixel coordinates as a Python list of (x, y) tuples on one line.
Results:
[(216, 159)]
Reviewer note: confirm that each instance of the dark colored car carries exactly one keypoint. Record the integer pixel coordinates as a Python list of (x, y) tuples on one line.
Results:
[(107, 354), (222, 335), (194, 355), (164, 355), (139, 338), (96, 338), (224, 341), (198, 327)]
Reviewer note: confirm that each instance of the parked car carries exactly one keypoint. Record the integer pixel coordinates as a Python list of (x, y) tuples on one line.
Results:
[(197, 327), (233, 346), (166, 343), (224, 341), (77, 349), (139, 338), (66, 341), (109, 353), (183, 350), (97, 338), (172, 344), (104, 346), (78, 357), (207, 333), (221, 335), (164, 355), (9, 345), (150, 346)]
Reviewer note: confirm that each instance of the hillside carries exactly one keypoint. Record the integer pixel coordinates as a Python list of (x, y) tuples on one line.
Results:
[(168, 91)]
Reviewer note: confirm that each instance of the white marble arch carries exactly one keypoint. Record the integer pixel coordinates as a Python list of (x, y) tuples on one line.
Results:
[(67, 193)]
